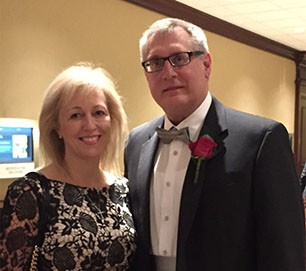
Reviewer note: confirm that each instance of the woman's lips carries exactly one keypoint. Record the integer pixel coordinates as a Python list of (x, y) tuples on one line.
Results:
[(90, 139)]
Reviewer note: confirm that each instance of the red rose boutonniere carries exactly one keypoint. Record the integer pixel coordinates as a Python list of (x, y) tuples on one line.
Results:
[(202, 149)]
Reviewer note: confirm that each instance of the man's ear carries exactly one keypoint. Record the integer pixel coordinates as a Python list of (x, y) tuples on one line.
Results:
[(207, 60), (207, 65)]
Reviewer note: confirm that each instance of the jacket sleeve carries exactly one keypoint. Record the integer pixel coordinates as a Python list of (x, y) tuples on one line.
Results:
[(278, 206)]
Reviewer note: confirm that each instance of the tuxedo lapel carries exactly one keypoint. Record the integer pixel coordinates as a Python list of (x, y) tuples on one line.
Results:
[(144, 173), (214, 126), (146, 161)]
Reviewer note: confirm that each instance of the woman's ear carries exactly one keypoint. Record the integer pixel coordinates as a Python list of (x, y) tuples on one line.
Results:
[(58, 133)]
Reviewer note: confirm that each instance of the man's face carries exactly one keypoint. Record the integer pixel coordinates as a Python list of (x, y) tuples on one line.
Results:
[(178, 90)]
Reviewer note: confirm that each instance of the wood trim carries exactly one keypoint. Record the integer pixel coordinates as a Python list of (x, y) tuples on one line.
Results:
[(215, 25), (300, 83)]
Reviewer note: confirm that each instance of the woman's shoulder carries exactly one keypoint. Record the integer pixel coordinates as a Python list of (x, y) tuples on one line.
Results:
[(116, 180), (31, 180), (32, 185), (23, 193)]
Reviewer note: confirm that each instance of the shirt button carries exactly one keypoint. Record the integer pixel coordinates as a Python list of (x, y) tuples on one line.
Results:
[(166, 218), (165, 252), (175, 152), (168, 184)]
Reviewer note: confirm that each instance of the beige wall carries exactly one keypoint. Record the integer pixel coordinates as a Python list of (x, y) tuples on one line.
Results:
[(40, 38)]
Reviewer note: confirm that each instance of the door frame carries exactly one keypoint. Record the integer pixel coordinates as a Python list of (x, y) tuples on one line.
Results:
[(300, 93)]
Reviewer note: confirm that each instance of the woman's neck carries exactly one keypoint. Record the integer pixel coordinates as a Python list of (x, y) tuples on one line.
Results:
[(77, 172)]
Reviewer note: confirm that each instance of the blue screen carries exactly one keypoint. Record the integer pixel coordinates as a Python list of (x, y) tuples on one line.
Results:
[(16, 144)]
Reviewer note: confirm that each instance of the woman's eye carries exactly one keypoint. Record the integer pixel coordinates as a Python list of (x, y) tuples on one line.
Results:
[(100, 113), (75, 116)]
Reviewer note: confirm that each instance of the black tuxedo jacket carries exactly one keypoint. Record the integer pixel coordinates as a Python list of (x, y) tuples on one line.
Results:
[(245, 213)]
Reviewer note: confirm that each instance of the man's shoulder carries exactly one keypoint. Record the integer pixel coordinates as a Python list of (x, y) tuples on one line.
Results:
[(246, 116), (144, 132), (239, 117)]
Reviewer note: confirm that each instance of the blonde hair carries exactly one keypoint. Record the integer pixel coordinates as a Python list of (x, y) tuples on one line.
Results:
[(82, 77), (167, 25)]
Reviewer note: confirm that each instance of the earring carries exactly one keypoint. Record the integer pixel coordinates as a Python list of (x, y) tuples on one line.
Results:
[(60, 137)]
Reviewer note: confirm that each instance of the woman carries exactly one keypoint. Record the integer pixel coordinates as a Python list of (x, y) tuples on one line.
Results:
[(88, 222)]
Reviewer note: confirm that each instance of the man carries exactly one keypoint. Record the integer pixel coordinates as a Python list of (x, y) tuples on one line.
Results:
[(233, 204), (303, 180)]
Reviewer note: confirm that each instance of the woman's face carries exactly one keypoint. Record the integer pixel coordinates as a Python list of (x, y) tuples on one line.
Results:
[(84, 125)]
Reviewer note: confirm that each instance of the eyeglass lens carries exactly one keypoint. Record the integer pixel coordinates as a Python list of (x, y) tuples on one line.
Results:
[(176, 60)]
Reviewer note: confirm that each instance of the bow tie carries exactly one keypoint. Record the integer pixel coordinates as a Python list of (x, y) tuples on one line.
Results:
[(166, 136)]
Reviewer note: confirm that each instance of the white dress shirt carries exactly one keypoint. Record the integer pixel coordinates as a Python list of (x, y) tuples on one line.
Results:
[(171, 164)]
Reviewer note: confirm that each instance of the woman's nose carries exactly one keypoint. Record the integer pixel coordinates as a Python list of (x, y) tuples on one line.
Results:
[(89, 123)]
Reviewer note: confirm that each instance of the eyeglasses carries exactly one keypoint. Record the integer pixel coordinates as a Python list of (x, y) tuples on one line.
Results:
[(176, 60)]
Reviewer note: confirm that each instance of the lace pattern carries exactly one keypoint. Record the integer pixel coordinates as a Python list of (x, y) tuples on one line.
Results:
[(87, 229)]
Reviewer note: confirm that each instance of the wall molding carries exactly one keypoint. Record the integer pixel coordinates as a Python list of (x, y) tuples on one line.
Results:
[(215, 25)]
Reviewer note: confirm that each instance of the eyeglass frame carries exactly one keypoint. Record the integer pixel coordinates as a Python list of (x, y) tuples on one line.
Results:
[(189, 53)]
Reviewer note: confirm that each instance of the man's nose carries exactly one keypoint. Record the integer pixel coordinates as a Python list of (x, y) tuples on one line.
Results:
[(168, 69)]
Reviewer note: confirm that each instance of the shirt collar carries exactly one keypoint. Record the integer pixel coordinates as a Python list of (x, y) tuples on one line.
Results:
[(193, 121)]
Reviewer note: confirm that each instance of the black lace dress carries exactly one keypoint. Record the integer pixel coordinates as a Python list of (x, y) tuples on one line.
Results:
[(87, 228)]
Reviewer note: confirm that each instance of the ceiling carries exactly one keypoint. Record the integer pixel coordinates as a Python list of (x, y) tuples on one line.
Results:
[(283, 21)]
